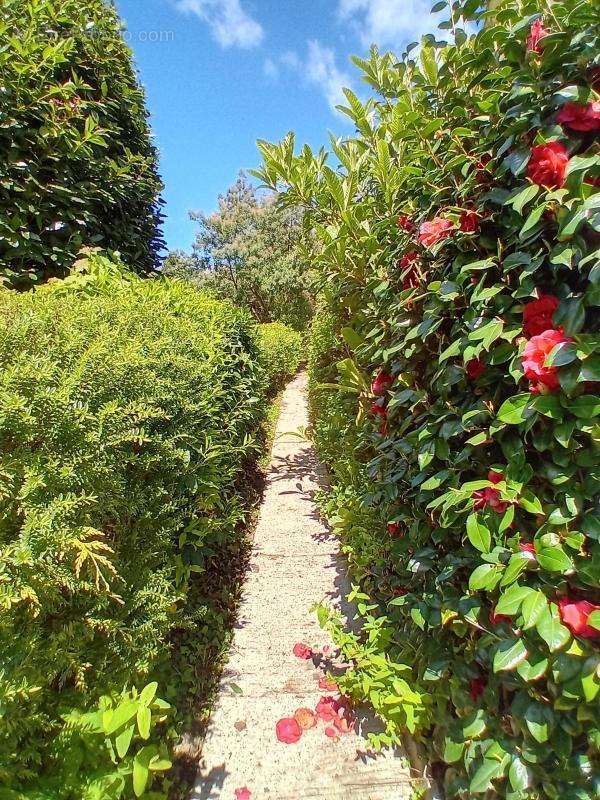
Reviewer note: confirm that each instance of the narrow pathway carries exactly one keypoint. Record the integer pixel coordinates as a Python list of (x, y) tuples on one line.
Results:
[(295, 563)]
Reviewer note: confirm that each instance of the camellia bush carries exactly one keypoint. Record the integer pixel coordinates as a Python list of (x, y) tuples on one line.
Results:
[(129, 410), (457, 238), (280, 352), (77, 163)]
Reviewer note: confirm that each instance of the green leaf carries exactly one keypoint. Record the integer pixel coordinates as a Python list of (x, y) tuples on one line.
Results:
[(532, 220), (516, 409), (518, 775), (486, 576), (144, 717), (554, 559), (537, 723), (510, 600), (479, 536), (453, 750), (530, 502), (586, 407), (352, 338), (474, 724), (533, 608), (551, 629), (509, 655), (594, 620), (487, 772), (123, 714), (123, 740), (527, 194), (148, 693)]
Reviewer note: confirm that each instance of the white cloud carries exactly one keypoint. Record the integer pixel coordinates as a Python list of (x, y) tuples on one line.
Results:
[(270, 68), (322, 71), (229, 23), (389, 22), (290, 59)]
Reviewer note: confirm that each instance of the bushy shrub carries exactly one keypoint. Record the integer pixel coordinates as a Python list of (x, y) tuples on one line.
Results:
[(127, 412), (459, 239), (77, 165), (280, 352)]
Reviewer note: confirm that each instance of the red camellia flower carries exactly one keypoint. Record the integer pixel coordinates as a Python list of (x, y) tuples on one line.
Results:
[(575, 614), (536, 34), (475, 369), (302, 651), (537, 315), (406, 223), (548, 164), (476, 688), (379, 410), (435, 230), (527, 547), (288, 731), (537, 350), (578, 117), (393, 528), (410, 276), (382, 383), (496, 619), (469, 221), (490, 496), (243, 794)]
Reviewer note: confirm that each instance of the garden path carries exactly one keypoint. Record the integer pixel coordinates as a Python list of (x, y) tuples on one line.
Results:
[(295, 562)]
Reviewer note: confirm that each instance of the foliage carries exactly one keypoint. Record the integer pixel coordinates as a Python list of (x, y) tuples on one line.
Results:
[(77, 165), (250, 252), (127, 413), (280, 352), (458, 253)]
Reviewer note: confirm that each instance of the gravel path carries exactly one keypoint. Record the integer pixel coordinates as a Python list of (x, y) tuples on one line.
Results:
[(295, 563)]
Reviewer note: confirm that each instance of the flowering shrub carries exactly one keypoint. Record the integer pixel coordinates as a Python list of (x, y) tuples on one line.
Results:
[(458, 247)]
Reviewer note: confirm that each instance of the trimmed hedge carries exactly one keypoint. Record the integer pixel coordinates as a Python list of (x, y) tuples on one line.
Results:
[(280, 352), (458, 248), (127, 413), (77, 164)]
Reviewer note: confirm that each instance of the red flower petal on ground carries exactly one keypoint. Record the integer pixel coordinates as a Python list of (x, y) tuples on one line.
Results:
[(327, 708), (327, 685), (469, 221), (537, 350), (536, 34), (475, 369), (306, 718), (344, 724), (393, 528), (332, 733), (548, 164), (406, 223), (288, 731), (575, 614), (381, 383), (302, 651), (243, 794), (537, 315), (434, 230), (578, 117), (476, 688)]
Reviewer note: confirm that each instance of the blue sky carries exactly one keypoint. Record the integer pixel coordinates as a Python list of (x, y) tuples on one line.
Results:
[(220, 74)]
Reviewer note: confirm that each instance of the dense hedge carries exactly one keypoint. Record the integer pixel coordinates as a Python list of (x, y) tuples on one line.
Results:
[(280, 352), (458, 246), (77, 165), (127, 412)]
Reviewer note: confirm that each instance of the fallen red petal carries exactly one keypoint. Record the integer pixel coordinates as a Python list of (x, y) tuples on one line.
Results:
[(243, 794), (305, 718), (327, 685), (332, 733), (288, 731), (302, 651)]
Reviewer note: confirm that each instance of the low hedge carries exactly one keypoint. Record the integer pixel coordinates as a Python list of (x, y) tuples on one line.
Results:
[(280, 352), (127, 412), (458, 252)]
